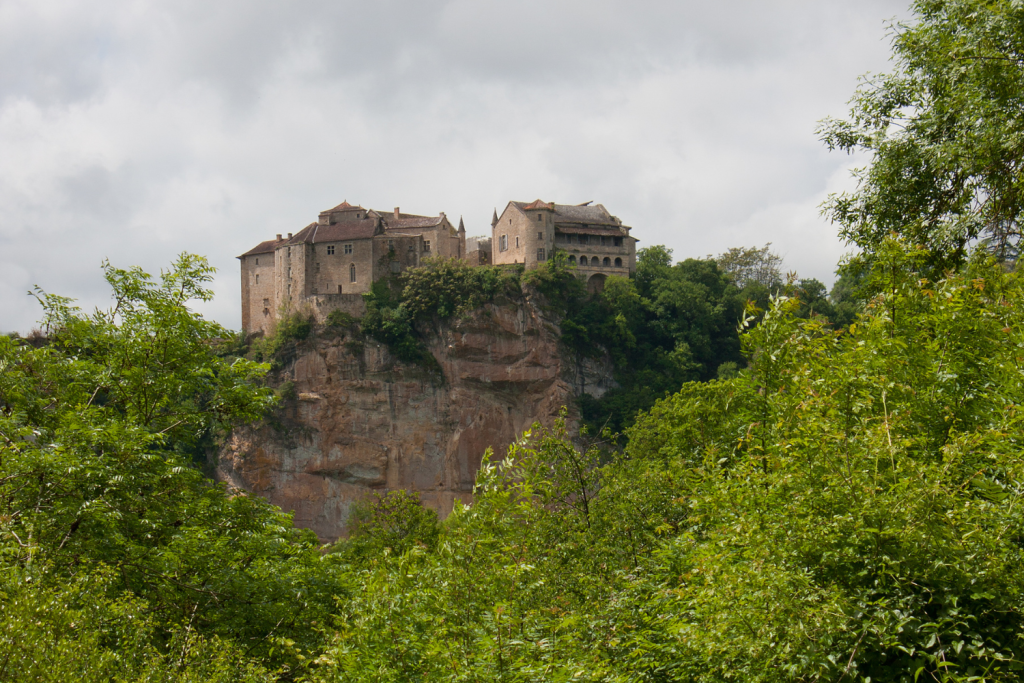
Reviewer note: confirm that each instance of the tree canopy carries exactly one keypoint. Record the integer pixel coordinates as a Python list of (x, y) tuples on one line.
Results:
[(945, 130)]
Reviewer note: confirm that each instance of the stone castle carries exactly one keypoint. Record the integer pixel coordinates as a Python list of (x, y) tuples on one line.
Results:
[(329, 264)]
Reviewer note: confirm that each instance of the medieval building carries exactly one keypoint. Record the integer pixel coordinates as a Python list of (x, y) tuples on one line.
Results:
[(329, 264), (593, 239)]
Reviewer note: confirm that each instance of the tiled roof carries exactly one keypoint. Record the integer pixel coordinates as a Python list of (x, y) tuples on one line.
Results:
[(263, 248), (538, 204), (344, 206)]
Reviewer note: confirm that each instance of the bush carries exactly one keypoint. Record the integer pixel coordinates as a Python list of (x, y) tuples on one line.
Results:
[(439, 289), (341, 319)]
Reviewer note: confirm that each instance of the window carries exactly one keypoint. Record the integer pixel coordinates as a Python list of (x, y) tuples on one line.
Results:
[(348, 248), (426, 245), (289, 252), (540, 254), (257, 260), (266, 311), (257, 279), (618, 241), (540, 216), (352, 273), (503, 243), (517, 241), (412, 248), (540, 235), (572, 259), (618, 263), (289, 291), (339, 289), (289, 271), (583, 260), (330, 250), (584, 239), (607, 262)]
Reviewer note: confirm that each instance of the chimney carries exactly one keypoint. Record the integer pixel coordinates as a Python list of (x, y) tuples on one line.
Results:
[(278, 237), (396, 213), (289, 235)]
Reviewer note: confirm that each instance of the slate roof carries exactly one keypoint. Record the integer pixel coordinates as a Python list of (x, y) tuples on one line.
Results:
[(406, 221), (568, 213)]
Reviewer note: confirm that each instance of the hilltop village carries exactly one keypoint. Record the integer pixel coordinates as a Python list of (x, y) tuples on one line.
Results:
[(331, 262)]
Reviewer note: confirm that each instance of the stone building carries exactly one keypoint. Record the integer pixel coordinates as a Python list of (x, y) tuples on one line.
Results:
[(329, 264), (596, 241)]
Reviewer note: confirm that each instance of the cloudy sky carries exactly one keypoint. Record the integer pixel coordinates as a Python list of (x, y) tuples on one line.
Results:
[(137, 130)]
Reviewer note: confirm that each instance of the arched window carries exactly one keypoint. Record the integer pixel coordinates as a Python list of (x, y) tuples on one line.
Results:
[(618, 263), (572, 259), (352, 273), (583, 260), (607, 262)]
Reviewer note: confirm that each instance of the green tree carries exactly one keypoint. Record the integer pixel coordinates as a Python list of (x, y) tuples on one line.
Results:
[(100, 431), (945, 132)]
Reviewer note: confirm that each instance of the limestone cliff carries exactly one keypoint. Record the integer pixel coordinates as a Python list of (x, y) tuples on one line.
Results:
[(362, 421)]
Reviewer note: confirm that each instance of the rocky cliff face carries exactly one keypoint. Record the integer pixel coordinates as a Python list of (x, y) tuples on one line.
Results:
[(362, 421)]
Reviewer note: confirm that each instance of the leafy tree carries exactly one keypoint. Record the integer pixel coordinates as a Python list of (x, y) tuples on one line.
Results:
[(944, 130), (752, 265), (100, 430)]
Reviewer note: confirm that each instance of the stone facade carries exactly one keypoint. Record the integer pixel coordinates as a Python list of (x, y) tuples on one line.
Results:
[(329, 264), (593, 239)]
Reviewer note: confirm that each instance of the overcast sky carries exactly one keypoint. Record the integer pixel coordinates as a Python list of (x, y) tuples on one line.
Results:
[(137, 130)]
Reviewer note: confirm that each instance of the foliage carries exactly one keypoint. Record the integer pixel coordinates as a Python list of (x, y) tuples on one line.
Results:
[(392, 522), (944, 130), (847, 508), (292, 326), (752, 265), (668, 325), (438, 289), (99, 431)]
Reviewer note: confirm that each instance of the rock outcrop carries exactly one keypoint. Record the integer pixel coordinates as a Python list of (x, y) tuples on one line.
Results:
[(360, 421)]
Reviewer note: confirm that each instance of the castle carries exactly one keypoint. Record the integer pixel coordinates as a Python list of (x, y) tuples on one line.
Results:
[(329, 264)]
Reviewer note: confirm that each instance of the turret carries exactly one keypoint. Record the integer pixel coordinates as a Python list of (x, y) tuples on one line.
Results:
[(494, 220)]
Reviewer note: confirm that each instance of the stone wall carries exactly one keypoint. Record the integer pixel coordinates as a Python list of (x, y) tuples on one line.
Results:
[(259, 306)]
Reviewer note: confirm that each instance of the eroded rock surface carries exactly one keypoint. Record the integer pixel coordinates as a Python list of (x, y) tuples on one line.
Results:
[(364, 422)]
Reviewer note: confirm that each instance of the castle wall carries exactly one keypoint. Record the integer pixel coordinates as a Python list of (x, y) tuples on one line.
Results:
[(259, 304), (526, 234), (332, 273), (394, 253)]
